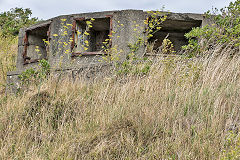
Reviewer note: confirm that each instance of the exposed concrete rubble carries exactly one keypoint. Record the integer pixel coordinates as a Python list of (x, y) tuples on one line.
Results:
[(64, 38)]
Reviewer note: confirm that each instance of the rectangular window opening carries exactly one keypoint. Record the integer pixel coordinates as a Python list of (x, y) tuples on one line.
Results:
[(173, 30), (90, 39), (35, 47)]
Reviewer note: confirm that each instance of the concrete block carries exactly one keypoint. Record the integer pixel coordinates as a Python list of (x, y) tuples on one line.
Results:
[(35, 40), (127, 26), (33, 54), (13, 82)]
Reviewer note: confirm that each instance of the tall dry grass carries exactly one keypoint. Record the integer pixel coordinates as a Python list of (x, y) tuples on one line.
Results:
[(183, 109), (8, 53)]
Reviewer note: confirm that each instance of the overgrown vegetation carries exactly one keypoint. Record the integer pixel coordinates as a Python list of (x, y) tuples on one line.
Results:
[(8, 55), (225, 29), (33, 75), (183, 108), (11, 21), (134, 64)]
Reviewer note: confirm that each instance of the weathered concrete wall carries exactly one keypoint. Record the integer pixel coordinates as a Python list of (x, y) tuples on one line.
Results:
[(174, 28), (123, 26), (13, 82), (127, 26), (57, 54), (88, 73)]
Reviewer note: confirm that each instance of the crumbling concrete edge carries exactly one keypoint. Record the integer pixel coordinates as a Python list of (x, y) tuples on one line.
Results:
[(85, 72)]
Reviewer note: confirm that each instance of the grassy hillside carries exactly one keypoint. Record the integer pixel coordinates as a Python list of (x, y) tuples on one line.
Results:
[(183, 109)]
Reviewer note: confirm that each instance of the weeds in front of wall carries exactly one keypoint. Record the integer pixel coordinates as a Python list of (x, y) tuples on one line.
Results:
[(84, 35), (33, 76), (112, 53), (134, 64), (38, 76), (154, 22)]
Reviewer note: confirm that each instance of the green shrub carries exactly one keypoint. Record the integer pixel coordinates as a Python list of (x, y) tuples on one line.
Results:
[(32, 75), (11, 21), (8, 53), (232, 147), (225, 28)]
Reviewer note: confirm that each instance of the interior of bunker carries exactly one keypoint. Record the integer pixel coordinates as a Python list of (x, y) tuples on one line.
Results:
[(34, 43), (90, 38), (174, 30)]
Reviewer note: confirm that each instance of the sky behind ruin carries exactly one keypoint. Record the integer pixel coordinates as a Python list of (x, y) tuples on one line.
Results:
[(45, 9)]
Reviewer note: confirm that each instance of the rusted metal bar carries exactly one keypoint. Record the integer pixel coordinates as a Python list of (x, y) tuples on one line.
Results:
[(110, 28), (79, 19), (31, 61), (73, 34), (162, 55), (48, 39), (74, 25), (24, 54), (76, 54), (111, 24)]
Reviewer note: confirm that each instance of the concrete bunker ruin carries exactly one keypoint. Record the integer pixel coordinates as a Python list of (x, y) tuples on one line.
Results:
[(98, 33), (34, 41), (60, 40), (174, 30)]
